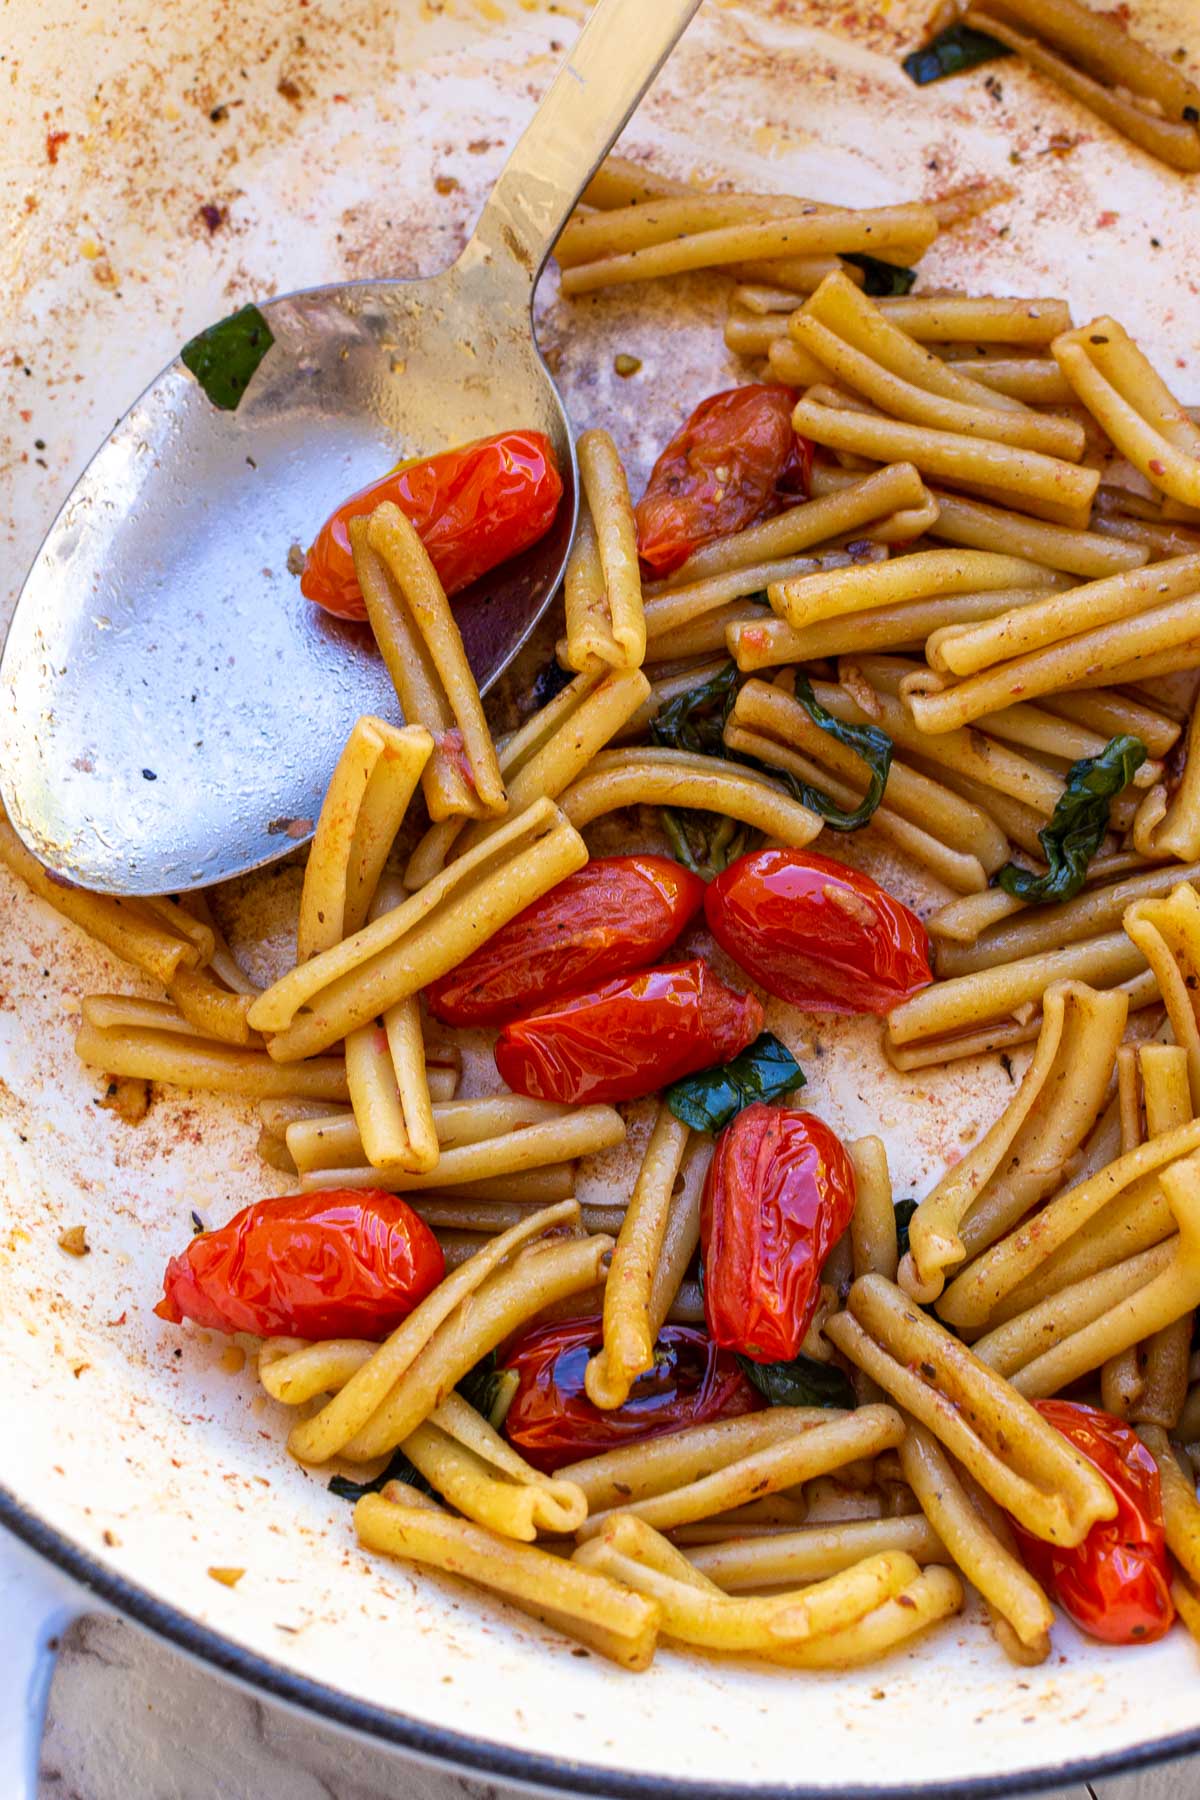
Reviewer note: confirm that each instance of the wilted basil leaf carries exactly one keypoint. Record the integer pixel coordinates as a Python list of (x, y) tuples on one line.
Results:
[(801, 1382), (224, 357), (867, 741), (398, 1469), (765, 1070), (1078, 823), (705, 842), (696, 720), (904, 1210), (952, 52), (549, 682), (883, 277), (489, 1389)]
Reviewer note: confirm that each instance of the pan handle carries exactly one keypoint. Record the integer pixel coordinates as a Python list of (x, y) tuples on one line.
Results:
[(37, 1604)]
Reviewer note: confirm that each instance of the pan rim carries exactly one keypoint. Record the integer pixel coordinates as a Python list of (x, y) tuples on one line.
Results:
[(540, 1773)]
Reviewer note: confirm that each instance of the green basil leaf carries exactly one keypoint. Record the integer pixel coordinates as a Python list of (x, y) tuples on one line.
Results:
[(704, 842), (765, 1070), (904, 1210), (801, 1382), (1078, 823), (224, 357), (486, 1387), (549, 682), (883, 277), (696, 720), (489, 1389), (398, 1469), (875, 748), (952, 52)]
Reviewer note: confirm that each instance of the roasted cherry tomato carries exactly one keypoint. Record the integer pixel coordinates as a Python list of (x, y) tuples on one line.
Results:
[(778, 1196), (341, 1262), (473, 508), (811, 931), (614, 915), (628, 1037), (1116, 1584), (736, 460), (552, 1421)]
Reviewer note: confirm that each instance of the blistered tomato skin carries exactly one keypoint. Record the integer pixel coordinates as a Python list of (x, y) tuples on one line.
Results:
[(615, 915), (815, 933), (473, 508), (551, 1420), (629, 1036), (735, 461), (778, 1195), (1116, 1584), (341, 1262)]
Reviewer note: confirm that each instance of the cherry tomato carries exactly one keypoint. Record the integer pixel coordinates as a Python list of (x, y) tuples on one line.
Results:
[(1116, 1584), (629, 1036), (614, 915), (341, 1262), (735, 461), (473, 507), (811, 931), (552, 1421), (778, 1195)]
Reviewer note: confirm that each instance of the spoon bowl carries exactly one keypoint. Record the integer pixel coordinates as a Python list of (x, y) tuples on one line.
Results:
[(171, 707)]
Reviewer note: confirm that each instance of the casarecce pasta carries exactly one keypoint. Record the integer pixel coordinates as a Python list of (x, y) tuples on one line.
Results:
[(882, 603)]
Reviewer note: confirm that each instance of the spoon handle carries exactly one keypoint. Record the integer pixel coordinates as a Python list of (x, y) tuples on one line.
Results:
[(615, 58)]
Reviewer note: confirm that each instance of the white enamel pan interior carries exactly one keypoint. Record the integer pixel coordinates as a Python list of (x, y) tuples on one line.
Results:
[(158, 167)]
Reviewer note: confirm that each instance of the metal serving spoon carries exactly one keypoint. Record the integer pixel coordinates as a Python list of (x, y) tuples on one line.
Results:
[(171, 708)]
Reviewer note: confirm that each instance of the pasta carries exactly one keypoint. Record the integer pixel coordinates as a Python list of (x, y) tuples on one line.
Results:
[(603, 1614), (367, 798), (628, 1348), (543, 757), (1018, 1162), (618, 778), (397, 954), (1044, 485), (1015, 1457), (1138, 93), (919, 577), (988, 1562), (611, 512), (807, 1452), (908, 229), (698, 1384), (420, 643)]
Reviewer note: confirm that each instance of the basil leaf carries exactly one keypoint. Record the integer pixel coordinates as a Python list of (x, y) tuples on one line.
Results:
[(904, 1210), (765, 1070), (489, 1389), (398, 1469), (549, 682), (875, 748), (705, 842), (883, 277), (486, 1387), (224, 357), (952, 52), (1078, 823), (801, 1382), (696, 720)]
